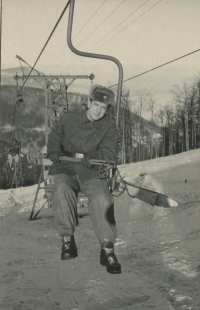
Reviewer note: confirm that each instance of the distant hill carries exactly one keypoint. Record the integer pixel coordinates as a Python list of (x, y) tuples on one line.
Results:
[(7, 77), (29, 124), (30, 112), (29, 115)]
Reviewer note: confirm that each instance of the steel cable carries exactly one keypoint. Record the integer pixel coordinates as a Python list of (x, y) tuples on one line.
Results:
[(130, 24), (76, 35), (166, 63), (20, 90), (65, 8), (119, 24), (124, 27), (95, 29)]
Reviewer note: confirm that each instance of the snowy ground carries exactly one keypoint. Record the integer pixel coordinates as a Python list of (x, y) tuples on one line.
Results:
[(22, 197), (158, 248)]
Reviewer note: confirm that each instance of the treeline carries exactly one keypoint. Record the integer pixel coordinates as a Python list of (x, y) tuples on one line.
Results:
[(180, 119), (24, 123), (173, 129), (138, 138)]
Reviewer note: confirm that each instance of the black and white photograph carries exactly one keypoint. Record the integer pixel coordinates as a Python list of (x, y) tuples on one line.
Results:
[(100, 155)]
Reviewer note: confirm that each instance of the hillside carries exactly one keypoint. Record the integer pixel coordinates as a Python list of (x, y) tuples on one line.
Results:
[(29, 116), (7, 77), (28, 129), (29, 125), (29, 113)]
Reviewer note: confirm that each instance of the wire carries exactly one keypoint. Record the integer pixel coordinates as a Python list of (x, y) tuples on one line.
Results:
[(89, 19), (166, 63), (19, 93), (127, 25), (20, 59), (65, 8), (77, 34), (102, 22), (119, 24), (96, 28)]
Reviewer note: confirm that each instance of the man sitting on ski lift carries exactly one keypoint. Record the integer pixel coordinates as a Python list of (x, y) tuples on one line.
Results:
[(93, 134)]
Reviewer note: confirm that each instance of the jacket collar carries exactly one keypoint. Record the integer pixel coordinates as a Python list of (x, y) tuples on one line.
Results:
[(84, 120)]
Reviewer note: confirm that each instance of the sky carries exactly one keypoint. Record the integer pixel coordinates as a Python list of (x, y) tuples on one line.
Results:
[(141, 34)]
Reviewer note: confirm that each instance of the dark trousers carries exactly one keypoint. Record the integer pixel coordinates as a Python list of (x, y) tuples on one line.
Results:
[(100, 205)]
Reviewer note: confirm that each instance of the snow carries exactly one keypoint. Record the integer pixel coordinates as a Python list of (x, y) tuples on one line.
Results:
[(160, 243), (22, 197), (156, 174), (160, 164)]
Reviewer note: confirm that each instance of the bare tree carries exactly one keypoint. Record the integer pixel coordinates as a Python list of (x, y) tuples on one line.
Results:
[(185, 96), (125, 129), (160, 120), (169, 115), (151, 106), (140, 100), (198, 110)]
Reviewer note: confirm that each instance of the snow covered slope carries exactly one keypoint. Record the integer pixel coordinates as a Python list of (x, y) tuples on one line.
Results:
[(165, 175), (176, 176), (21, 197)]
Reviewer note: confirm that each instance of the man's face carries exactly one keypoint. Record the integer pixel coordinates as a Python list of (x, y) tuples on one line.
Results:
[(96, 110)]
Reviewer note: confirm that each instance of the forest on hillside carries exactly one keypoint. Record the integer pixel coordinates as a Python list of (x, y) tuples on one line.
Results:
[(24, 123), (173, 128), (28, 126), (181, 117)]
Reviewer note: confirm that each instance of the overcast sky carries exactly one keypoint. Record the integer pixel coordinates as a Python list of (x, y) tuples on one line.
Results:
[(141, 34)]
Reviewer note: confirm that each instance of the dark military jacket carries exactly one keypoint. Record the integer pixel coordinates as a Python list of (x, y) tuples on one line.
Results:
[(75, 133)]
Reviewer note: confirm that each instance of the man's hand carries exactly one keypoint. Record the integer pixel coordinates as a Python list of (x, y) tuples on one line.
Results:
[(86, 163), (55, 156)]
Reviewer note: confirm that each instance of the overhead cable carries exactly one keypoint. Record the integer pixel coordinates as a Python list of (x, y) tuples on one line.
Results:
[(19, 93), (78, 33), (21, 59), (89, 19), (98, 26), (120, 23), (124, 28), (65, 8), (102, 22), (166, 63), (130, 23)]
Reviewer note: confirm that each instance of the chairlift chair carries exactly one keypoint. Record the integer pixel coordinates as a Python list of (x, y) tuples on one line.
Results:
[(111, 168)]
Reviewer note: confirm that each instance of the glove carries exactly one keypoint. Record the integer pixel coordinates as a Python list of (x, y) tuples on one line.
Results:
[(54, 156), (86, 163)]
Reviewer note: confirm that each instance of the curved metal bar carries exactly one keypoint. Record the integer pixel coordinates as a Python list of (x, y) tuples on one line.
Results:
[(99, 56)]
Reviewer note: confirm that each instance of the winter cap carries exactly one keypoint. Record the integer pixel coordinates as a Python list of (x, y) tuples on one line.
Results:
[(101, 94)]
